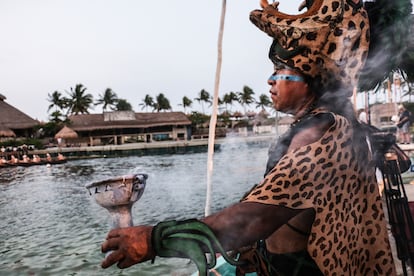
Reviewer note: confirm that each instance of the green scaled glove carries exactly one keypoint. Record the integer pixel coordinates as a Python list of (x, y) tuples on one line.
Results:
[(190, 239)]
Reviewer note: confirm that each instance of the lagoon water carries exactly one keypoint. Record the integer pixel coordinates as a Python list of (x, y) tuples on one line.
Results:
[(50, 225)]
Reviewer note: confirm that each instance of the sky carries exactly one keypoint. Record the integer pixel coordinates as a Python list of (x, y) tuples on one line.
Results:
[(133, 47)]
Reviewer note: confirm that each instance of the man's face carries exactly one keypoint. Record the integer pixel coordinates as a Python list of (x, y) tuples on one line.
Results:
[(288, 90)]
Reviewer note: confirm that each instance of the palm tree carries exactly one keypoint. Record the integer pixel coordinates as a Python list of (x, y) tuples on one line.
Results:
[(123, 105), (107, 99), (229, 98), (246, 97), (203, 96), (79, 101), (56, 100), (162, 103), (263, 101), (186, 102), (148, 101), (55, 117)]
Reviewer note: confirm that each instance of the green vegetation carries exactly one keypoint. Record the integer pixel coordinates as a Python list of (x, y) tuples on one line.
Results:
[(78, 101), (108, 99), (38, 144)]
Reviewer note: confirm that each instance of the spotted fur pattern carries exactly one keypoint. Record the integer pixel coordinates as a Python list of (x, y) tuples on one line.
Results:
[(329, 44), (349, 233)]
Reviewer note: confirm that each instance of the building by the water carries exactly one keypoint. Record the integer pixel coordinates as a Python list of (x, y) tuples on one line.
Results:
[(381, 115), (120, 127), (13, 122)]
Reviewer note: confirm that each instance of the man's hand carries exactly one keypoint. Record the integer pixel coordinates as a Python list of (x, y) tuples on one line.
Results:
[(129, 246)]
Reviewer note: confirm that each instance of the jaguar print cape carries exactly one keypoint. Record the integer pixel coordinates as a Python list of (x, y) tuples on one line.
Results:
[(349, 233)]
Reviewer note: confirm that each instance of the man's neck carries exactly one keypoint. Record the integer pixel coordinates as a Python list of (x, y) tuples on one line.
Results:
[(305, 108)]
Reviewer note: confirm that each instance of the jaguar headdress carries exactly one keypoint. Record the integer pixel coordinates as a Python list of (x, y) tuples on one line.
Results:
[(329, 42)]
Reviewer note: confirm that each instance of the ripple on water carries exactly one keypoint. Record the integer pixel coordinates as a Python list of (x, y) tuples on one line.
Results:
[(51, 226)]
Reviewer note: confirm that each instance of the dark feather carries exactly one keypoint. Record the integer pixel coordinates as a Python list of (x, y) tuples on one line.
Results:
[(391, 46)]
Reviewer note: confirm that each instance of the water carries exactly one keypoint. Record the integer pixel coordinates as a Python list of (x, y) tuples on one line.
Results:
[(50, 225)]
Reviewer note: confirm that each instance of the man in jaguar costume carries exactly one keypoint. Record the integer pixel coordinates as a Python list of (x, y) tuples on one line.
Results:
[(317, 211)]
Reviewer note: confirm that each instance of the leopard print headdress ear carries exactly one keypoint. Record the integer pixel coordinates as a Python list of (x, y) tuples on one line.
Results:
[(329, 42)]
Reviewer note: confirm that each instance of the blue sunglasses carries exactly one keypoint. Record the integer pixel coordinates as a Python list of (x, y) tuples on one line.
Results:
[(286, 77)]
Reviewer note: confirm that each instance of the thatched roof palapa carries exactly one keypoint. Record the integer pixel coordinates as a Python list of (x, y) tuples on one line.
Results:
[(12, 118), (66, 133), (88, 122), (6, 132)]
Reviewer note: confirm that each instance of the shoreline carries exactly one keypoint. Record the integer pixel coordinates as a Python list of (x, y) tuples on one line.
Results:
[(153, 148), (166, 147)]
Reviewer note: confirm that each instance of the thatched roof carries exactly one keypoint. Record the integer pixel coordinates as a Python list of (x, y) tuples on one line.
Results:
[(13, 118), (87, 122), (66, 133), (6, 132)]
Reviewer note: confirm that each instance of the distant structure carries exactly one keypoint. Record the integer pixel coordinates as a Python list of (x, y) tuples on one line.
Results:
[(120, 127), (382, 115), (13, 122)]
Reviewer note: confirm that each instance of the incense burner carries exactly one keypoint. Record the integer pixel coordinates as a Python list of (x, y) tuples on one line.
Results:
[(117, 195)]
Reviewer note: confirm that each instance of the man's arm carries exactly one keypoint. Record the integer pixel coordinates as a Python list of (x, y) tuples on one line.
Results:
[(236, 226), (244, 223)]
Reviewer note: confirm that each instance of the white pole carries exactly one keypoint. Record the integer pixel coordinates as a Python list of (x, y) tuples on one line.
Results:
[(213, 119)]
